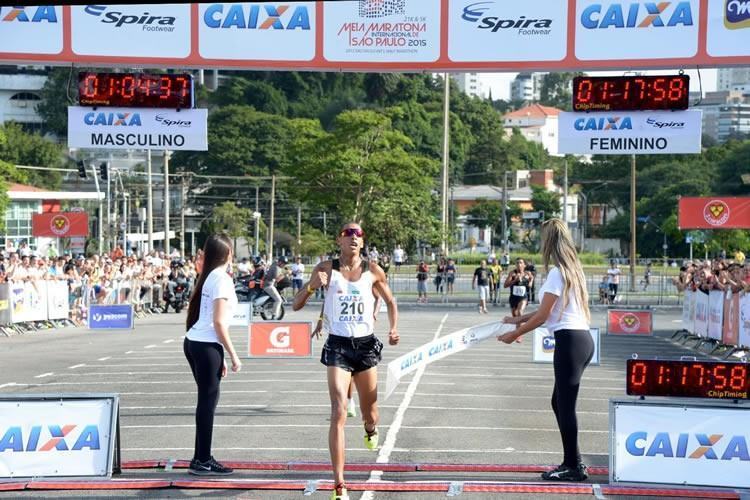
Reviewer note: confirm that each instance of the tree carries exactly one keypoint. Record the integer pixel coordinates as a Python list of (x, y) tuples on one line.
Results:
[(546, 201), (556, 90), (364, 171), (21, 148), (258, 94), (57, 95), (231, 219), (314, 242)]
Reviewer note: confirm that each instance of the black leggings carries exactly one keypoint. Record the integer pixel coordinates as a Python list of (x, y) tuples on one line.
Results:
[(206, 361), (573, 352)]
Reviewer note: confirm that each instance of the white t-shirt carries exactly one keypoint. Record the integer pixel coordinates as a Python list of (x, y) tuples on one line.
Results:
[(398, 255), (613, 276), (218, 285), (573, 317), (298, 271)]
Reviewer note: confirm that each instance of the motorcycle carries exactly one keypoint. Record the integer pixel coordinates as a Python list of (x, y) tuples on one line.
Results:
[(249, 289), (179, 299)]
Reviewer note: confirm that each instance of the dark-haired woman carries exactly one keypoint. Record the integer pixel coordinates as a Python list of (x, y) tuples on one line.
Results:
[(207, 336)]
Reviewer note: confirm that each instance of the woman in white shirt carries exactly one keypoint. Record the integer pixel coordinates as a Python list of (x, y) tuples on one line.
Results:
[(564, 309), (207, 336)]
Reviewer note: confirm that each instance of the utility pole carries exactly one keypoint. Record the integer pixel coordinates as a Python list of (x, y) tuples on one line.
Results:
[(101, 211), (149, 203), (325, 224), (565, 195), (256, 216), (273, 202), (183, 188), (166, 202), (446, 164), (632, 223), (299, 228), (505, 217), (109, 208)]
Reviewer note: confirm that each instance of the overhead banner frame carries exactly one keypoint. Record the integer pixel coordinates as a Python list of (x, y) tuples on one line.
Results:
[(383, 35)]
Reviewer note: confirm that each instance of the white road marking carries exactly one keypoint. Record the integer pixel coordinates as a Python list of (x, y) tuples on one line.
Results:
[(9, 384), (105, 358), (169, 341), (151, 346), (390, 438), (130, 352), (43, 375), (76, 366)]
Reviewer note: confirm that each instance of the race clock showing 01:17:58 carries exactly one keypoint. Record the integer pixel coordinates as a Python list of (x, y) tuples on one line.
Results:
[(631, 93), (688, 379)]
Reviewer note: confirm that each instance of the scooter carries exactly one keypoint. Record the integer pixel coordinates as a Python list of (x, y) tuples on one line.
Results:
[(251, 290)]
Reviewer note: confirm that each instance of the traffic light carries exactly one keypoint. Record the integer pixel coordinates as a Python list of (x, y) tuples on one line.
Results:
[(81, 169), (104, 171)]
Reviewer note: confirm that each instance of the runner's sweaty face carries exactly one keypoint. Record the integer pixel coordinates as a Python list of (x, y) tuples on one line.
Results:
[(349, 242)]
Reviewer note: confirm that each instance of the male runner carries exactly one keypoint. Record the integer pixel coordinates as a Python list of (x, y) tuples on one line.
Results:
[(351, 351)]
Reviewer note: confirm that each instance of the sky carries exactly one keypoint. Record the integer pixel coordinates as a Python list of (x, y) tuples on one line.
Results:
[(500, 82)]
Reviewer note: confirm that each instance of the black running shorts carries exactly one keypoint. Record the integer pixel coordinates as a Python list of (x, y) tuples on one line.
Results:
[(352, 354)]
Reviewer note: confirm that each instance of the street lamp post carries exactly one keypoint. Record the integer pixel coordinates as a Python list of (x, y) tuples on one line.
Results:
[(256, 218)]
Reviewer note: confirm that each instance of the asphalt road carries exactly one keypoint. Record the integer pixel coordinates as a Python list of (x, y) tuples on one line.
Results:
[(487, 405)]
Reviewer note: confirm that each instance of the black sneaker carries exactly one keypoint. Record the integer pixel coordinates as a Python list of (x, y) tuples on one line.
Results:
[(567, 473), (208, 468)]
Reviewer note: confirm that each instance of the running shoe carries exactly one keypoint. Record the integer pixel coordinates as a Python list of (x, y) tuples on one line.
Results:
[(208, 468), (371, 440), (351, 410), (340, 493), (567, 473)]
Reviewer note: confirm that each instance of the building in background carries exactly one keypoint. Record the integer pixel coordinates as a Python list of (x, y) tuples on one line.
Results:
[(20, 93), (727, 78), (470, 84), (726, 113), (526, 87), (537, 123)]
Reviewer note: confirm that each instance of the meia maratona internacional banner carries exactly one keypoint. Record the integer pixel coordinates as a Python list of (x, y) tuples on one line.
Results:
[(714, 213)]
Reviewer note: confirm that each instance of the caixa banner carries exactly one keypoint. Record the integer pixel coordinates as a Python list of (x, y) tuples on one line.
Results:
[(719, 212), (695, 444), (622, 322), (280, 340), (137, 128), (111, 317), (57, 436)]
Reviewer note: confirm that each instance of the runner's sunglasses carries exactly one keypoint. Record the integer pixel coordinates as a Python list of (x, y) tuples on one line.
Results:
[(352, 231)]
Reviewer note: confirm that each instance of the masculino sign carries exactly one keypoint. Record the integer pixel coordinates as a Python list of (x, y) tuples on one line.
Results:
[(111, 317), (57, 435), (687, 444), (636, 132), (137, 128)]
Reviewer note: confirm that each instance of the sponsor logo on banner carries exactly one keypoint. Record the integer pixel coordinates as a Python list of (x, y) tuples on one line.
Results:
[(688, 445), (20, 14), (66, 437), (111, 317), (638, 132), (737, 14), (255, 16), (382, 30), (716, 213), (630, 323), (543, 345), (268, 31), (616, 30), (493, 30), (281, 340), (138, 128), (146, 21), (621, 322), (479, 13), (548, 343), (59, 225), (637, 15), (131, 30)]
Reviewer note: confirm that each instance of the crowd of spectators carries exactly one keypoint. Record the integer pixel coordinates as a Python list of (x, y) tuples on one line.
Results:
[(717, 274)]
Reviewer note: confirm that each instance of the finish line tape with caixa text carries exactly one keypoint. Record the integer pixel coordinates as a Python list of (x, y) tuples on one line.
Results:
[(440, 348)]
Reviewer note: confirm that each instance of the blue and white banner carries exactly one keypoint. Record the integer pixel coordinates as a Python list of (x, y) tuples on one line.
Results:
[(111, 317), (440, 348)]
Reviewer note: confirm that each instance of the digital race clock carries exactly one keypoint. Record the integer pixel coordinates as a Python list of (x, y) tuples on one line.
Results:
[(135, 90), (630, 93), (688, 379)]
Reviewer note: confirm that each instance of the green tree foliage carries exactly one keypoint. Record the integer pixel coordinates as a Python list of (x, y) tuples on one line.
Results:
[(547, 201), (363, 171), (58, 93), (258, 94), (556, 90), (314, 242), (22, 148), (231, 219)]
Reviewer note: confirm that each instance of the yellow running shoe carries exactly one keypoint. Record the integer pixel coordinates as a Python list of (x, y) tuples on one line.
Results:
[(339, 493), (371, 440)]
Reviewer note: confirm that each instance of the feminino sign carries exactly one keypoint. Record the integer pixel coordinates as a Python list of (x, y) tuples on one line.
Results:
[(691, 445), (635, 132), (137, 128)]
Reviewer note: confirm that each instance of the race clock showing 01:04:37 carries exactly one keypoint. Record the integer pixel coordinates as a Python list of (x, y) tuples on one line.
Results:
[(136, 90), (631, 93), (688, 379)]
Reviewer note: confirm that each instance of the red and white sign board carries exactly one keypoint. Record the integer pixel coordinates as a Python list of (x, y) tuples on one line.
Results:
[(719, 212), (370, 35), (60, 224), (280, 339), (623, 322)]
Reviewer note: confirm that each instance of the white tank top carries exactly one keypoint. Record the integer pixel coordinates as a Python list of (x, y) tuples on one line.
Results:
[(349, 309)]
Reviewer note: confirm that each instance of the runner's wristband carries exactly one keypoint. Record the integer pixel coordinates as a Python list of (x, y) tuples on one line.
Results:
[(310, 290)]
